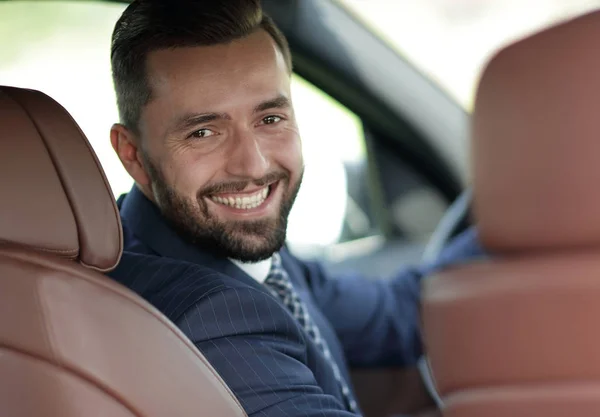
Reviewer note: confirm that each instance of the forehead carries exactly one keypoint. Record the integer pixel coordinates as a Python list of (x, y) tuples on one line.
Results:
[(251, 63)]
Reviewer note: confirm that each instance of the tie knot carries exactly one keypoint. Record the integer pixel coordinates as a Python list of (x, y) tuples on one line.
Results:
[(277, 276)]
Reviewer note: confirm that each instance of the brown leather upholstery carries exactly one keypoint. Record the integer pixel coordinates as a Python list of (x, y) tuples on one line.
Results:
[(536, 146), (518, 335), (72, 342), (56, 198)]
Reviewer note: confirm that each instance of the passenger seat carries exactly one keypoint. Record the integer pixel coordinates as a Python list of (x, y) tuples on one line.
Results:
[(72, 342)]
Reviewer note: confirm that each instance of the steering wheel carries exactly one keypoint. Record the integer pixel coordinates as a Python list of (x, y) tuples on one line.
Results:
[(455, 220)]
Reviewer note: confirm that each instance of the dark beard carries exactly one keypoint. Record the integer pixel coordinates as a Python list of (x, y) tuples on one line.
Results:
[(246, 241)]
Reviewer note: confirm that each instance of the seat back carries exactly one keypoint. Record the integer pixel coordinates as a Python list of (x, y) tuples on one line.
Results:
[(517, 335), (72, 342)]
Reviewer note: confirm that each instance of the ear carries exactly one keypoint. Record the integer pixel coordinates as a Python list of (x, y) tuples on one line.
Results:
[(126, 145)]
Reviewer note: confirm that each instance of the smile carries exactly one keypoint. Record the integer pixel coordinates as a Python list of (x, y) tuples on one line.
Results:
[(242, 201)]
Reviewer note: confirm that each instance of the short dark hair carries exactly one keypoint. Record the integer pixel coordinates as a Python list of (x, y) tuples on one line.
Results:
[(150, 25)]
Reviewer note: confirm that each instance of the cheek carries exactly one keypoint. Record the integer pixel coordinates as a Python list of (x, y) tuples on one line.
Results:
[(296, 146), (290, 154), (297, 153), (187, 174)]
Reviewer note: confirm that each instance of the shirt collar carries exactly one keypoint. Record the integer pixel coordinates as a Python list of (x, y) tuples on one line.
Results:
[(257, 270)]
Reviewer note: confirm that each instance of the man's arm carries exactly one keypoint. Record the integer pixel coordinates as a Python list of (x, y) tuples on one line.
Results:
[(258, 350), (377, 320)]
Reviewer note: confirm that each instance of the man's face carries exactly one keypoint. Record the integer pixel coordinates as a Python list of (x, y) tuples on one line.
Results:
[(221, 146)]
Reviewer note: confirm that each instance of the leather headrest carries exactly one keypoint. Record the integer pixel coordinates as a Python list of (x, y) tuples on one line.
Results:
[(54, 196), (536, 141)]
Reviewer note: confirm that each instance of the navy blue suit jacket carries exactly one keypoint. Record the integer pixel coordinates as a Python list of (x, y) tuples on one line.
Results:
[(249, 336)]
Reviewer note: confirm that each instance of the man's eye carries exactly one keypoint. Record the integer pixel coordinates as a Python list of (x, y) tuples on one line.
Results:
[(269, 120), (202, 133)]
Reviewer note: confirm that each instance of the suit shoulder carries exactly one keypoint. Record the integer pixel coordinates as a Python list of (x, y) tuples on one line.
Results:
[(170, 285)]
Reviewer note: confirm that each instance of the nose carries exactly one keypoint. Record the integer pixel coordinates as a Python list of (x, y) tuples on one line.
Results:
[(247, 158)]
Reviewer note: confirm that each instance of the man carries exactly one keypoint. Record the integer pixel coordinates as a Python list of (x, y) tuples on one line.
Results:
[(208, 134)]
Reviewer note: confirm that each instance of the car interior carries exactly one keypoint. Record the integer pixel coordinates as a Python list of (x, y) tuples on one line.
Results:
[(497, 332)]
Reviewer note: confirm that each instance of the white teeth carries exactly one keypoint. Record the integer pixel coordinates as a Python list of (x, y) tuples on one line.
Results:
[(244, 203)]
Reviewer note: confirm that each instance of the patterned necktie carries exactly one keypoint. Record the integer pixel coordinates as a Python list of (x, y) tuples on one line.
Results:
[(278, 282)]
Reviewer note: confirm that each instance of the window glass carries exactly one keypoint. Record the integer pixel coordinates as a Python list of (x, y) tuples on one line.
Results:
[(63, 50), (333, 143), (450, 40)]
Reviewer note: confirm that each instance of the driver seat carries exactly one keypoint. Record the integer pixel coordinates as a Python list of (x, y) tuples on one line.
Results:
[(72, 342), (517, 335)]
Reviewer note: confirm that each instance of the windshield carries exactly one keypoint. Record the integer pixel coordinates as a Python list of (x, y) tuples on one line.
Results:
[(450, 40)]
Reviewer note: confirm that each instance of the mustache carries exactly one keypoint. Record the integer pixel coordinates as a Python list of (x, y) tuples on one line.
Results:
[(237, 186)]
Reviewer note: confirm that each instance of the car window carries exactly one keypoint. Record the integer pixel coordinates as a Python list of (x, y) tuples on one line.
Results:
[(63, 49), (450, 40), (326, 210)]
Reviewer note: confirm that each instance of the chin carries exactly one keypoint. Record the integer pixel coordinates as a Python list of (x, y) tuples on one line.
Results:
[(253, 247)]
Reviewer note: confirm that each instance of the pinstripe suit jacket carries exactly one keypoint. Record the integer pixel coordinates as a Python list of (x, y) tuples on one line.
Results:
[(249, 337)]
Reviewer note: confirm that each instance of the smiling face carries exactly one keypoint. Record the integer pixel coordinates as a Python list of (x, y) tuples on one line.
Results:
[(220, 150)]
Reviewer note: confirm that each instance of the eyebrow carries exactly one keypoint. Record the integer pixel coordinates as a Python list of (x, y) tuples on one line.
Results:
[(278, 102), (191, 120)]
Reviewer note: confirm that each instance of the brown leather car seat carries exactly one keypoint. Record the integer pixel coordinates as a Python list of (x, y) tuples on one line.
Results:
[(518, 335), (72, 342)]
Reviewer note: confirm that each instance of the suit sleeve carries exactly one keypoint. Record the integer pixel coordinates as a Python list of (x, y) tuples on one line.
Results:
[(378, 320), (259, 352)]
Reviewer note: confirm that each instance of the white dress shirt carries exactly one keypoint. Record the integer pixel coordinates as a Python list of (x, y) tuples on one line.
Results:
[(257, 270)]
